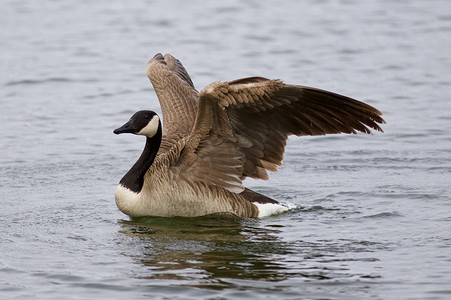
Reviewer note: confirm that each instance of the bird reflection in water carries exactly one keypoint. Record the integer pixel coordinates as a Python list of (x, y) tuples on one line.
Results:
[(208, 251)]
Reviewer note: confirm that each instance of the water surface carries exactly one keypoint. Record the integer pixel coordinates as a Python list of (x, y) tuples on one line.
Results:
[(373, 216)]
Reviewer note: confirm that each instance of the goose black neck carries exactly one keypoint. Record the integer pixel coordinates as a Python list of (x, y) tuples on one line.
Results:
[(134, 179)]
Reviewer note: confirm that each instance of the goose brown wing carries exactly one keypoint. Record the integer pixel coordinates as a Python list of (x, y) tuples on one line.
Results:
[(211, 154), (242, 126), (176, 93), (264, 112)]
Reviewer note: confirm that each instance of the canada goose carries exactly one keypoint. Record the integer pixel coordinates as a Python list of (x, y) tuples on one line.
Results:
[(211, 141)]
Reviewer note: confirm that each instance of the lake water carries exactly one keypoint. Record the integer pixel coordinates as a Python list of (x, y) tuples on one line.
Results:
[(374, 211)]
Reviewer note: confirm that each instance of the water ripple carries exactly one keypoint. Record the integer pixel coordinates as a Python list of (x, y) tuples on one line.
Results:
[(47, 80)]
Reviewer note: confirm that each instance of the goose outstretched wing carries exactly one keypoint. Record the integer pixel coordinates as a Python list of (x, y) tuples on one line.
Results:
[(176, 93), (242, 127)]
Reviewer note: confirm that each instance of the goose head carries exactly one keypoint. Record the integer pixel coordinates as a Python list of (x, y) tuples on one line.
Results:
[(144, 122)]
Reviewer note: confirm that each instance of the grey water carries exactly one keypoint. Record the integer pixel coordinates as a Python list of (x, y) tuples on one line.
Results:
[(373, 216)]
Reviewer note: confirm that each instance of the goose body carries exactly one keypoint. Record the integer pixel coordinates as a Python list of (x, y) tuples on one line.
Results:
[(194, 164)]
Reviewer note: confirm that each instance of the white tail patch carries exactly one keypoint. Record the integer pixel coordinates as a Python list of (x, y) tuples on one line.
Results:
[(151, 128), (269, 209)]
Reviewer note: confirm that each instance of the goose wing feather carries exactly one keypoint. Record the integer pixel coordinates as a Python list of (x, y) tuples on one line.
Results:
[(177, 95), (212, 153), (242, 127)]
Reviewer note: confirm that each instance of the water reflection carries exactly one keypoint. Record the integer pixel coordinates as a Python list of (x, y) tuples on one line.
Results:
[(208, 249), (222, 251)]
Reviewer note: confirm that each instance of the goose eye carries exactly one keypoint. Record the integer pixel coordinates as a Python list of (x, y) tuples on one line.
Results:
[(146, 117)]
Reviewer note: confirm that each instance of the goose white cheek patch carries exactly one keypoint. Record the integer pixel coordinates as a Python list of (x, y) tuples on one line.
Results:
[(151, 128)]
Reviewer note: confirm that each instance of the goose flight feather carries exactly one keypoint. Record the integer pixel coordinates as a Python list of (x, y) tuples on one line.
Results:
[(212, 140), (177, 95)]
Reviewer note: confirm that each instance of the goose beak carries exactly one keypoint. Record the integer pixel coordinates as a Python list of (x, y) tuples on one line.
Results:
[(126, 128)]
